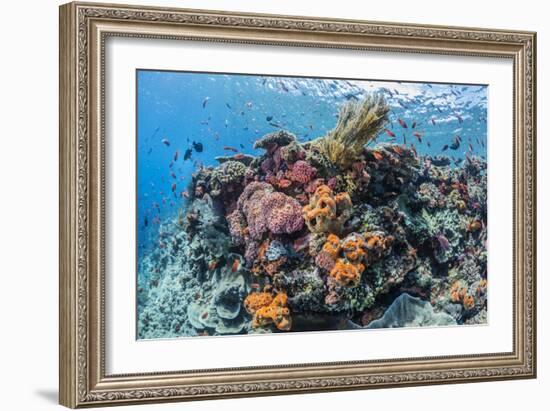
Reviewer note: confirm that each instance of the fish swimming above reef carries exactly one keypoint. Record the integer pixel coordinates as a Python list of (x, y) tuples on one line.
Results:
[(455, 144), (166, 142), (187, 154), (198, 147), (205, 101), (402, 123)]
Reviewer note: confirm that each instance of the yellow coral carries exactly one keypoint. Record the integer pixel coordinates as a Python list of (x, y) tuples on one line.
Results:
[(267, 309), (326, 212), (346, 273), (358, 124)]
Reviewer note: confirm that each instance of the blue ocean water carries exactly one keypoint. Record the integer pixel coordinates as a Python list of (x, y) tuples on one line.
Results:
[(185, 120)]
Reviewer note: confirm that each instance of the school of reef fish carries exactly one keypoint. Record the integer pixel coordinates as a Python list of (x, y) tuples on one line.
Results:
[(334, 233)]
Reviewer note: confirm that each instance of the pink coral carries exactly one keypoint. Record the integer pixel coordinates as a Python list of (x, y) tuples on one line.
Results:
[(237, 228), (266, 210), (325, 261), (282, 214), (250, 204), (301, 172)]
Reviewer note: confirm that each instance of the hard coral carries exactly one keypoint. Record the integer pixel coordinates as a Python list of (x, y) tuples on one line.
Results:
[(327, 212), (301, 172), (282, 214), (277, 139), (266, 210), (267, 310)]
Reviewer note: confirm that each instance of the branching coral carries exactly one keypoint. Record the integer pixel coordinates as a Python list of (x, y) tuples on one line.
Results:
[(326, 212), (358, 124), (267, 310)]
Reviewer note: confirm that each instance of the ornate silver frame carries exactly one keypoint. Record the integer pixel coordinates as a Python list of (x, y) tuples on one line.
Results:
[(83, 30)]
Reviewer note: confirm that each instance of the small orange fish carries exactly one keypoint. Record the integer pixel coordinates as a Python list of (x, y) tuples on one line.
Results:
[(235, 266), (239, 156), (212, 265), (398, 150), (377, 155)]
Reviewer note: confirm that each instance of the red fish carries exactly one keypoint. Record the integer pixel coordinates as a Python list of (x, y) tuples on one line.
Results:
[(418, 136), (239, 156), (389, 132), (235, 266), (212, 265), (402, 123), (377, 155), (228, 148), (398, 150)]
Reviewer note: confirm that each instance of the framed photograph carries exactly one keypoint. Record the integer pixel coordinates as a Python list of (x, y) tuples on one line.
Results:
[(259, 204)]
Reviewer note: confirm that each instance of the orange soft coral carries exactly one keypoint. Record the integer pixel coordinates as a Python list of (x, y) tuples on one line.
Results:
[(332, 246), (460, 294), (253, 302), (346, 273), (267, 309), (325, 212), (354, 248)]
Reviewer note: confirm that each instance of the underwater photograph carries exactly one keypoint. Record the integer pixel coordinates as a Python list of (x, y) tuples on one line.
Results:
[(271, 204)]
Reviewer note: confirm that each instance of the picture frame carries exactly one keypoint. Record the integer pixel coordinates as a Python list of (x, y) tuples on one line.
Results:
[(85, 28)]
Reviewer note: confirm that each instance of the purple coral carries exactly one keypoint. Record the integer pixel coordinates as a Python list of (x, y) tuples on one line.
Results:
[(301, 172)]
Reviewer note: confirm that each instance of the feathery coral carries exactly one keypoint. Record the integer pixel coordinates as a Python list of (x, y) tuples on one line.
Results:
[(358, 124)]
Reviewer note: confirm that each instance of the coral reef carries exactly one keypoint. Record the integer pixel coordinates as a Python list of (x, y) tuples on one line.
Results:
[(335, 234)]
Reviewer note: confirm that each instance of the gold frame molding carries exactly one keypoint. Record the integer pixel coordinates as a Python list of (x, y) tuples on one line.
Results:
[(84, 27)]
